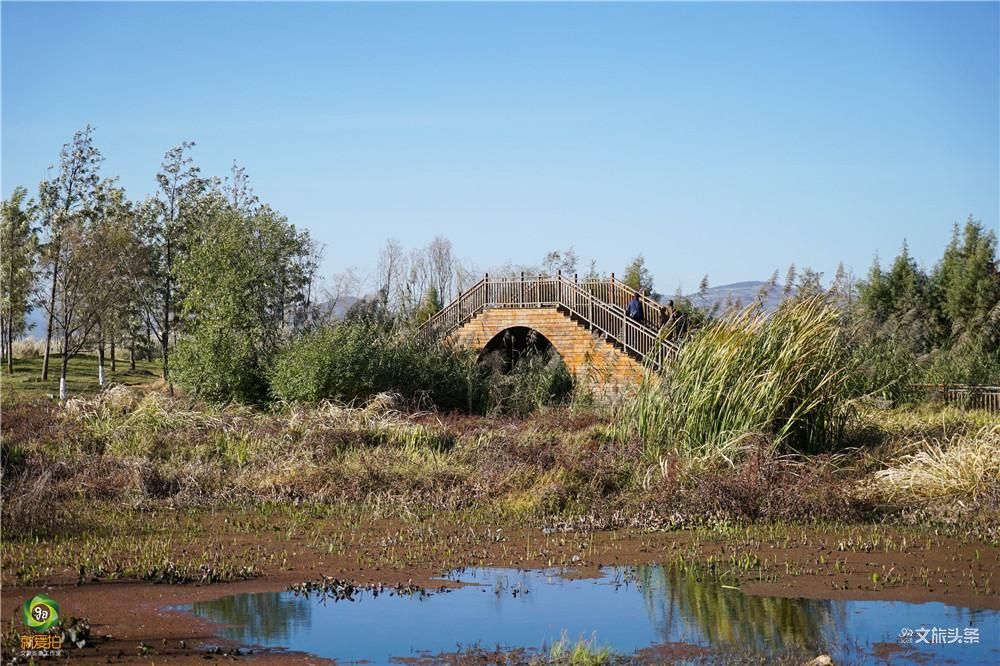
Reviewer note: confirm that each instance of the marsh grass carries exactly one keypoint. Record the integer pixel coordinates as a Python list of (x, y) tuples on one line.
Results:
[(747, 373), (581, 653), (963, 466), (140, 450)]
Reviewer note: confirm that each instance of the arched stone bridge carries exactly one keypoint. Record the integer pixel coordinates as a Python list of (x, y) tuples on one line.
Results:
[(584, 322)]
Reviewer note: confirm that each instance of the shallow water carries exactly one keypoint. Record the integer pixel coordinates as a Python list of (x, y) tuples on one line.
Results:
[(627, 609)]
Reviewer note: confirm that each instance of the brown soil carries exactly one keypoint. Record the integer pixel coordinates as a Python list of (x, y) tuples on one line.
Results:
[(803, 563)]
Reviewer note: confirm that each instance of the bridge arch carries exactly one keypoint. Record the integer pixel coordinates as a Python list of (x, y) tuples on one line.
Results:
[(511, 344), (595, 365)]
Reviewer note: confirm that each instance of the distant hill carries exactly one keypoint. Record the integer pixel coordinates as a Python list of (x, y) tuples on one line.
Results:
[(336, 312), (742, 293)]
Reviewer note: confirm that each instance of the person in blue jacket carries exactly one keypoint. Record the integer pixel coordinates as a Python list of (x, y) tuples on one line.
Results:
[(634, 308)]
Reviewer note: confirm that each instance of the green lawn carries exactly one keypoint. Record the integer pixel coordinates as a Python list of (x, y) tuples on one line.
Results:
[(81, 377)]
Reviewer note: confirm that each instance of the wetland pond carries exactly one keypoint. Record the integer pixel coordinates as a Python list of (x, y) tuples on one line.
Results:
[(628, 609)]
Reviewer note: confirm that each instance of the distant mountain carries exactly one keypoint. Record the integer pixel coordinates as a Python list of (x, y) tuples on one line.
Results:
[(337, 311), (737, 293)]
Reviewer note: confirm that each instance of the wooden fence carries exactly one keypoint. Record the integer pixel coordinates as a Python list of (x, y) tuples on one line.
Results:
[(965, 395)]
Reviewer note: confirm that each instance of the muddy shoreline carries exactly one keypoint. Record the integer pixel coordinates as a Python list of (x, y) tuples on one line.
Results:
[(135, 620)]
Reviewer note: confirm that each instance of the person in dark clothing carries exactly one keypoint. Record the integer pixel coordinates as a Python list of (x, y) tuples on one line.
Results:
[(634, 308), (664, 320)]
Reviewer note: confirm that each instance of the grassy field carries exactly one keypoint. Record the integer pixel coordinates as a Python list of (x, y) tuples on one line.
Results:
[(81, 380), (560, 464)]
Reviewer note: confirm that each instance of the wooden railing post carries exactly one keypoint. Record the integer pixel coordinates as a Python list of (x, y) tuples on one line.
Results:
[(520, 300), (486, 290), (458, 304), (559, 286)]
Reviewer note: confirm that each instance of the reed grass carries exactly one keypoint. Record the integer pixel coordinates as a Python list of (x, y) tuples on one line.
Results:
[(746, 373)]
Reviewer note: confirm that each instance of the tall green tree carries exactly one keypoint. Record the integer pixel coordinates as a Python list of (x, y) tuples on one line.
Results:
[(63, 201), (967, 277), (429, 306), (241, 279), (172, 217), (18, 275), (124, 263), (906, 283), (85, 285)]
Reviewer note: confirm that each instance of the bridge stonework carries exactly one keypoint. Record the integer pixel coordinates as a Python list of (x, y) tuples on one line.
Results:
[(604, 370)]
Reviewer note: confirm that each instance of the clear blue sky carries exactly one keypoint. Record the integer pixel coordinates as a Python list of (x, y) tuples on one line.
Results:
[(728, 139)]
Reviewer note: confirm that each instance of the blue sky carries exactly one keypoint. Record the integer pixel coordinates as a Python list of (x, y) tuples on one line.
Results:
[(727, 139)]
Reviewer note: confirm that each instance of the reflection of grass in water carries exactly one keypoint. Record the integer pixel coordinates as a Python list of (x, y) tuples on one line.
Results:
[(257, 617), (729, 616)]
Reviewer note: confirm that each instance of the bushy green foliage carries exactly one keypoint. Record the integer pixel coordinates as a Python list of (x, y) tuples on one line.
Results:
[(538, 378), (240, 280), (364, 356), (429, 306), (972, 360), (17, 266), (637, 276), (947, 321), (221, 363), (359, 358), (880, 367)]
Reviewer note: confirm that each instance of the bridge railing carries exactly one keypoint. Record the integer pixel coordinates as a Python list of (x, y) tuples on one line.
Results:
[(599, 304)]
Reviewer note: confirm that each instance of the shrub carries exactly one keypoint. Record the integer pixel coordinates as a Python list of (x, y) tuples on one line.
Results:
[(971, 360), (880, 367), (359, 358), (364, 356), (222, 364), (537, 379)]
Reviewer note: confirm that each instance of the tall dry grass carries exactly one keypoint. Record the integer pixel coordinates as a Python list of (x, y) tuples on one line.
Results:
[(28, 347), (963, 466)]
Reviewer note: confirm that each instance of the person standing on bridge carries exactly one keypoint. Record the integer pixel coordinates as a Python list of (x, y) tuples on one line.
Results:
[(634, 308), (666, 319)]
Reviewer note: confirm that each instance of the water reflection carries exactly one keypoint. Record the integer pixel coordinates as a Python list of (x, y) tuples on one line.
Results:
[(266, 618), (725, 615), (627, 609)]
